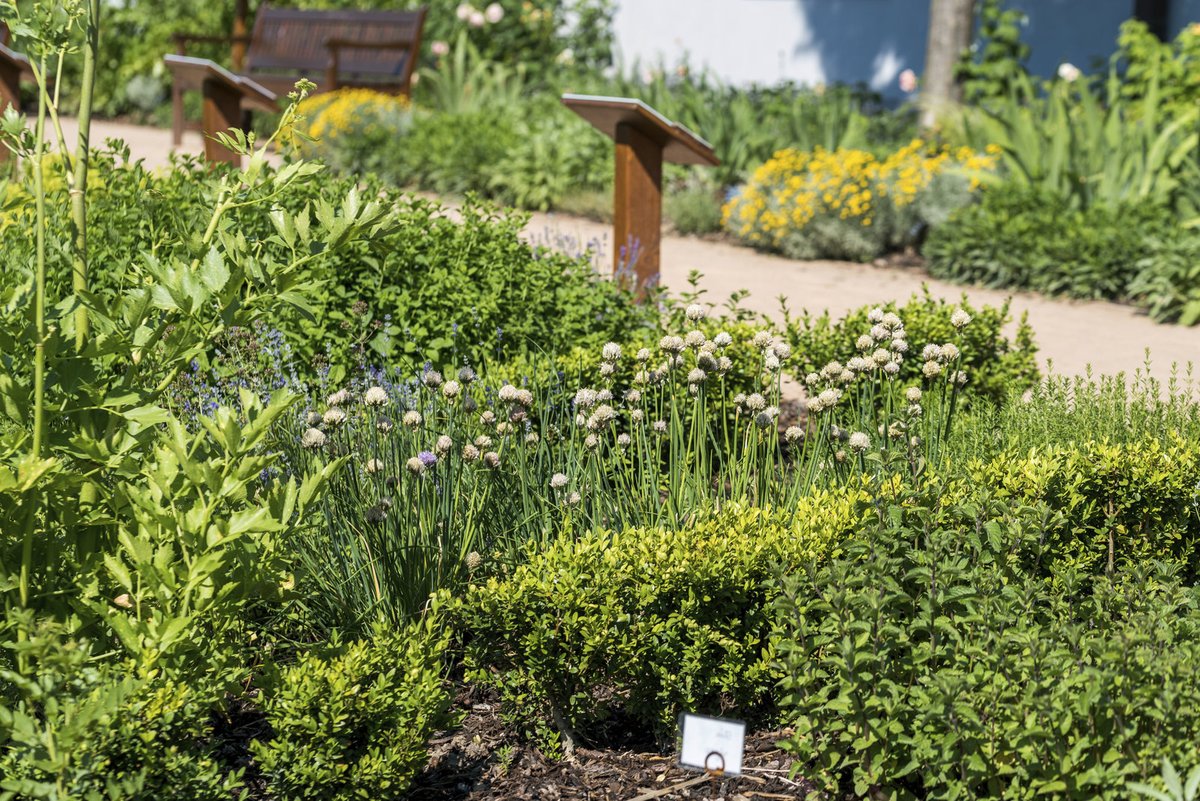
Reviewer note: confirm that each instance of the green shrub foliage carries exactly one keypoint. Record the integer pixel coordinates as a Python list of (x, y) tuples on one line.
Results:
[(1123, 504), (995, 365), (1023, 238), (646, 622), (928, 663), (352, 723), (433, 285)]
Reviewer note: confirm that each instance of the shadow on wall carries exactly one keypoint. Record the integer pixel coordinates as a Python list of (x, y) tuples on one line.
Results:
[(864, 41), (872, 41)]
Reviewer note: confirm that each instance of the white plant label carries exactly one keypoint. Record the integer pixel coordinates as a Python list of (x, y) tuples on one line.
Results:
[(712, 744)]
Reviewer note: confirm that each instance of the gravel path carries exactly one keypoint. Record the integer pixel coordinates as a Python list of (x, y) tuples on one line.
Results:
[(1072, 335)]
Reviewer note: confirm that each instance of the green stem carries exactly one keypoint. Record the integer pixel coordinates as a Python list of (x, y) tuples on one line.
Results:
[(79, 266), (39, 311)]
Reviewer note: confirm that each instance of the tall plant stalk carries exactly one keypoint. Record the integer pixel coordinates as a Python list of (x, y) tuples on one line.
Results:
[(79, 267)]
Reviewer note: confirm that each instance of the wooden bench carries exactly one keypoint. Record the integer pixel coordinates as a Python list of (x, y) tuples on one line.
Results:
[(376, 49), (226, 98)]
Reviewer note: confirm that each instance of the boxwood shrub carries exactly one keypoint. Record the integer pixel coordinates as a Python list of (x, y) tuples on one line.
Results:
[(351, 721), (1122, 504), (645, 623)]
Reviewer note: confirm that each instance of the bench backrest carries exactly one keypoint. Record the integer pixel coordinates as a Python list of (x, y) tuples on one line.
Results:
[(288, 40)]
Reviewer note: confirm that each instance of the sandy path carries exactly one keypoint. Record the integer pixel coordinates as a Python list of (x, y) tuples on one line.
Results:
[(1071, 334)]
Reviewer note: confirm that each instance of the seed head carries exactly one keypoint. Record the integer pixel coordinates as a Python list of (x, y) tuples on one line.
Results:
[(723, 340), (415, 466), (376, 515), (384, 425), (374, 466), (696, 376), (339, 398), (771, 362), (525, 398), (375, 396), (473, 561), (469, 453), (859, 442), (412, 419), (763, 340), (783, 351), (696, 312), (451, 389), (558, 481), (695, 339), (532, 438), (508, 393), (950, 352), (913, 394), (671, 344), (607, 369), (865, 343), (756, 402), (637, 415), (443, 444), (931, 369), (491, 459), (333, 417), (931, 352), (623, 440), (875, 315), (483, 441), (611, 352), (591, 442), (574, 499), (660, 426), (793, 434), (892, 369), (960, 319), (313, 439), (643, 355), (466, 375), (585, 398), (488, 418)]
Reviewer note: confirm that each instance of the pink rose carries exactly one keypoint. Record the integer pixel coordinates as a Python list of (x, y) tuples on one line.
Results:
[(494, 13), (463, 11), (439, 48), (476, 19), (908, 82)]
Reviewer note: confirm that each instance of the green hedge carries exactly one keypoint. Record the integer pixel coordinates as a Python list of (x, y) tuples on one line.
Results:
[(353, 722), (644, 622), (1023, 238), (1122, 505)]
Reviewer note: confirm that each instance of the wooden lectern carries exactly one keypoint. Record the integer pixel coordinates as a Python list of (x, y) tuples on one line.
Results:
[(644, 139)]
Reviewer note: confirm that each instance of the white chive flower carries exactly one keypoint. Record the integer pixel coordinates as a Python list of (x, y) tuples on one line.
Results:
[(375, 396), (333, 417), (696, 312), (723, 340), (412, 419), (415, 466), (859, 442), (558, 481), (960, 319), (913, 394), (313, 439), (611, 352)]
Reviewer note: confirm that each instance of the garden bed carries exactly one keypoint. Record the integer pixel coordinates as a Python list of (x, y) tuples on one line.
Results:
[(483, 760)]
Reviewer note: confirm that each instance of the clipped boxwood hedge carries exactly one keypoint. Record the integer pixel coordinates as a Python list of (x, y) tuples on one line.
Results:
[(646, 622)]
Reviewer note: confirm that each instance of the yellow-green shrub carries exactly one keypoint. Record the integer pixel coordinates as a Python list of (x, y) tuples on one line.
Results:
[(647, 622), (353, 723), (352, 129), (848, 203), (1121, 504)]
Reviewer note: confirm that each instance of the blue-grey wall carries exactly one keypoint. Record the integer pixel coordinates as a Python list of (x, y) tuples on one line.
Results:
[(869, 41)]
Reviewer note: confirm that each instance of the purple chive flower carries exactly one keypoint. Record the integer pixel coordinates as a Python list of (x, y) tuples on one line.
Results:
[(428, 458)]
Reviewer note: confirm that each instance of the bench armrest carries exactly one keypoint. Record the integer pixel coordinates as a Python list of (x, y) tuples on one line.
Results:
[(338, 44)]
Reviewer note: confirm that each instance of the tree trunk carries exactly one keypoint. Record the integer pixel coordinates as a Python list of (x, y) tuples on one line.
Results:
[(951, 25)]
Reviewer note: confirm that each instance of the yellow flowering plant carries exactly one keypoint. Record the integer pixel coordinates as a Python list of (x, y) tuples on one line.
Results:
[(848, 203), (349, 128)]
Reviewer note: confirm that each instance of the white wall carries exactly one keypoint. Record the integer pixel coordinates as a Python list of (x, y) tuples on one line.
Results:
[(869, 41)]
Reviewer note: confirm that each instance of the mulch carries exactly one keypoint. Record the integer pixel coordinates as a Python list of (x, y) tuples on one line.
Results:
[(485, 761)]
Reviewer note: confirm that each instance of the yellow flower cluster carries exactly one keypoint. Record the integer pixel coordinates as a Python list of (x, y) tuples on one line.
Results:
[(332, 115), (795, 187)]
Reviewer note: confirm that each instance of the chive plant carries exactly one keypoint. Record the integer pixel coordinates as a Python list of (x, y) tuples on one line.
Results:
[(448, 476)]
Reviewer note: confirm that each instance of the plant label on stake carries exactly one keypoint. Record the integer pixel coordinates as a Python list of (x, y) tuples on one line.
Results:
[(714, 745)]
